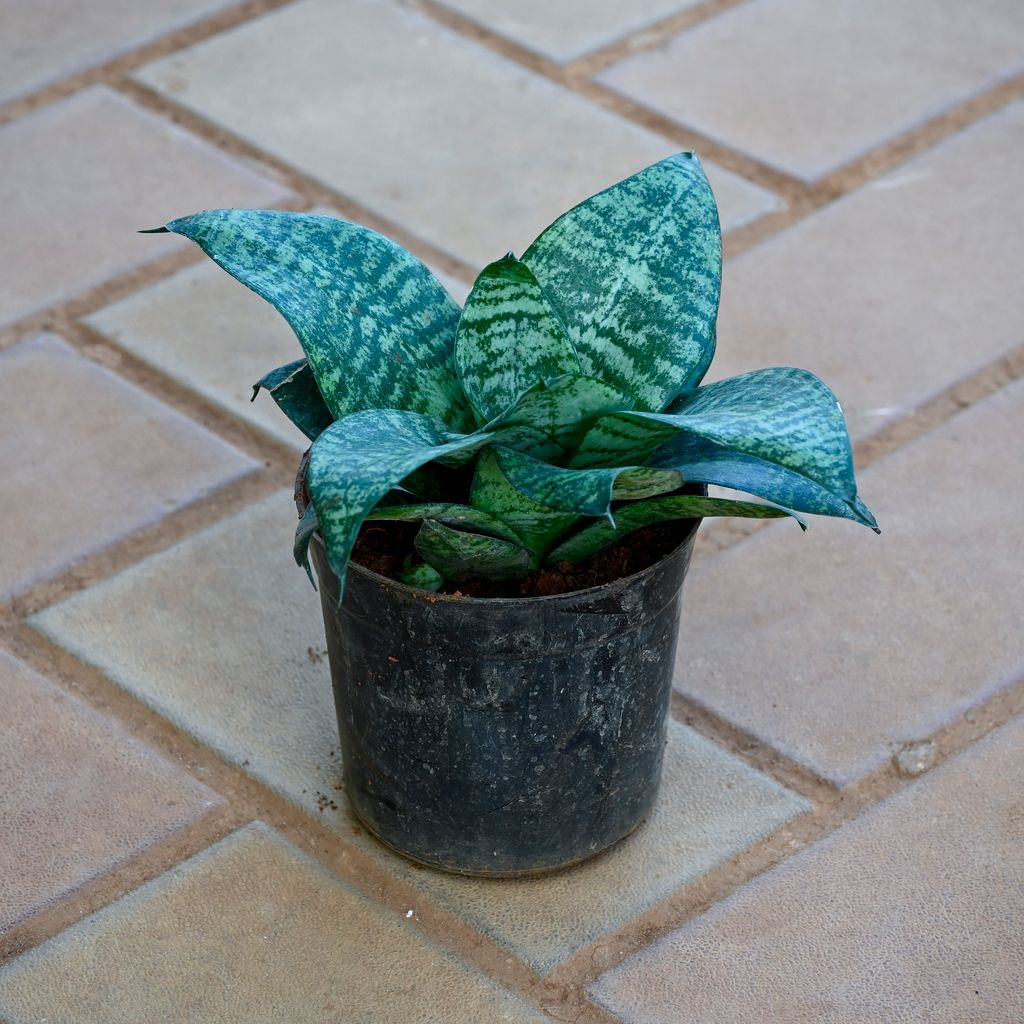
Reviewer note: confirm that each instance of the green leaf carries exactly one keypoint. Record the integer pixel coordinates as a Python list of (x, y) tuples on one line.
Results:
[(421, 575), (458, 555), (509, 338), (549, 419), (782, 415), (634, 274), (536, 525), (582, 492), (700, 460), (617, 439), (358, 459), (459, 517), (634, 515), (308, 525), (294, 389), (377, 327)]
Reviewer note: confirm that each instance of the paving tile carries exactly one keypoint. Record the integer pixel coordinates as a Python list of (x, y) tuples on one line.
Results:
[(911, 913), (249, 931), (710, 807), (870, 642), (570, 28), (80, 177), (427, 128), (808, 86), (897, 291), (79, 795), (239, 663), (212, 335), (43, 43), (236, 658), (87, 458)]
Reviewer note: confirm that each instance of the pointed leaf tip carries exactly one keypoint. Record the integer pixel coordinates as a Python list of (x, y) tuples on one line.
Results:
[(153, 231)]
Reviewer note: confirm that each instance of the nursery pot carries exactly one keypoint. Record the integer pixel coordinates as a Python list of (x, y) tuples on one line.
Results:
[(502, 737)]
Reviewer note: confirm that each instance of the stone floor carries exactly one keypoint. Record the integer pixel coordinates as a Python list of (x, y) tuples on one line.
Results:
[(840, 835)]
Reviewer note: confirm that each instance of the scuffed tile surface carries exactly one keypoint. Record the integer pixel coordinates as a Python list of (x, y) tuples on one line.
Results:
[(79, 178), (85, 459), (896, 291), (427, 128), (837, 645), (236, 657), (212, 334), (711, 806), (808, 86), (568, 28), (250, 931), (43, 42), (912, 913), (78, 795)]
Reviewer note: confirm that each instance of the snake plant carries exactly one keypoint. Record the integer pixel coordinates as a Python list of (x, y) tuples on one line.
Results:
[(559, 410)]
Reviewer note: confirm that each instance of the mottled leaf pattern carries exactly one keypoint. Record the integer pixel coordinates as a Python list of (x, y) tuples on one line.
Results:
[(580, 491), (634, 274), (618, 439), (458, 555), (423, 576), (294, 389), (781, 415), (645, 483), (549, 420), (695, 458), (358, 459), (459, 517), (308, 525), (377, 327), (509, 338), (633, 515), (536, 525)]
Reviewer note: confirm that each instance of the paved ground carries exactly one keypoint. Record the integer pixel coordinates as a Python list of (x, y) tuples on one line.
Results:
[(841, 829)]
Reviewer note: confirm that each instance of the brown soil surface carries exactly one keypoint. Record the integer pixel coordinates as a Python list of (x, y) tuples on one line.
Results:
[(382, 547)]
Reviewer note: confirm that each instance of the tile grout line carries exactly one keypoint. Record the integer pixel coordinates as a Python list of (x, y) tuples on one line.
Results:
[(845, 806), (246, 799)]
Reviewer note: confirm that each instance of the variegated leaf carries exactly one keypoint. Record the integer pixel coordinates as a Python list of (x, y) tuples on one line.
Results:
[(634, 274), (458, 555), (633, 515), (581, 491), (459, 517), (421, 575), (549, 420), (294, 389), (358, 459), (536, 525), (308, 525), (782, 415), (377, 327), (509, 338), (695, 458)]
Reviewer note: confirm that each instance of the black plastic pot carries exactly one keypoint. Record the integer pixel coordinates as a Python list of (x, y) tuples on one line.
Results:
[(502, 736)]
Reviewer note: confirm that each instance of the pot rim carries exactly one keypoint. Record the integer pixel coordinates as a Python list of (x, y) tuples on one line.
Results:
[(411, 592)]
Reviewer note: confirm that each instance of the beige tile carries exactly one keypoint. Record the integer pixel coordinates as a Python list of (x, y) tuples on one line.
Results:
[(897, 291), (911, 913), (426, 127), (87, 458), (79, 178), (849, 644), (236, 659), (250, 931), (44, 42), (79, 796), (213, 335), (569, 28), (710, 807), (809, 86)]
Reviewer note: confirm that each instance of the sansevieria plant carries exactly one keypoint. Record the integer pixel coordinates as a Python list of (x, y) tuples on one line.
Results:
[(560, 410)]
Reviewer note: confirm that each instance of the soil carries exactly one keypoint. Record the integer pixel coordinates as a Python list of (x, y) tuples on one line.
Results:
[(382, 547)]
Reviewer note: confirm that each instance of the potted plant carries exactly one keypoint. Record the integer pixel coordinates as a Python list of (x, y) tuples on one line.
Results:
[(501, 503)]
